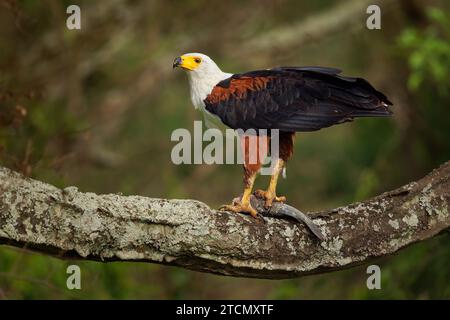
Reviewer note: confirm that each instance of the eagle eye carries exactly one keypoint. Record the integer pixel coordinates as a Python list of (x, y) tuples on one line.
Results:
[(197, 60)]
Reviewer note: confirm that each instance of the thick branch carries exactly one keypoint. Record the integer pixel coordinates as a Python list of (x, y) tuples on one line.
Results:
[(345, 16), (187, 233)]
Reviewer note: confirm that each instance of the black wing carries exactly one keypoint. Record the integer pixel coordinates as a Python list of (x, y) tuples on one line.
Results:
[(294, 99)]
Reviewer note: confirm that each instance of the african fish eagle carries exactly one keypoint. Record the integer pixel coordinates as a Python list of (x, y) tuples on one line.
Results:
[(290, 99)]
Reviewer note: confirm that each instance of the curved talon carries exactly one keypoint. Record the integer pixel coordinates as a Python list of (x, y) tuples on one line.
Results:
[(269, 197), (240, 207)]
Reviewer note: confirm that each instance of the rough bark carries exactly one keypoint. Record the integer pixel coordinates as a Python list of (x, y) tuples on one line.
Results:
[(187, 233)]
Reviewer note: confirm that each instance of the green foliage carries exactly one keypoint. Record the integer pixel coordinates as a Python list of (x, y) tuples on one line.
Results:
[(430, 51), (65, 97)]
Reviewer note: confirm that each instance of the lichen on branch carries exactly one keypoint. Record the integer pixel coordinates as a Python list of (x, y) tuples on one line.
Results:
[(68, 223)]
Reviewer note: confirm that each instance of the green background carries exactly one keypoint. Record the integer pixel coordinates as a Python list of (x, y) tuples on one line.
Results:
[(95, 108)]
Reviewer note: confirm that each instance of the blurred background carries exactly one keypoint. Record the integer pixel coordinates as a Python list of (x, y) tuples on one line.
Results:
[(96, 107)]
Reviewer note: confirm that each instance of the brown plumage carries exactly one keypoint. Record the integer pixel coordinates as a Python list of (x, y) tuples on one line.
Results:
[(289, 99), (294, 99)]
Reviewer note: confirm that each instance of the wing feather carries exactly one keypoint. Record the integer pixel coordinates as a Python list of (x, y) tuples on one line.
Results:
[(294, 99)]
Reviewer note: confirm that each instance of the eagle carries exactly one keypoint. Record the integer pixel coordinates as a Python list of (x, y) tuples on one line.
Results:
[(290, 99)]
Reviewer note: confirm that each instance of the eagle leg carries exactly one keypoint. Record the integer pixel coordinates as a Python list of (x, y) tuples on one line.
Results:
[(243, 205), (254, 149), (271, 195)]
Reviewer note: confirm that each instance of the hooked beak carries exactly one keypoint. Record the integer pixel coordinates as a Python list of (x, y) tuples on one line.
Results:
[(177, 62)]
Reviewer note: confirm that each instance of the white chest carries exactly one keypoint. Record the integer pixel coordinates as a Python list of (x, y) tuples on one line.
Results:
[(198, 95), (201, 86)]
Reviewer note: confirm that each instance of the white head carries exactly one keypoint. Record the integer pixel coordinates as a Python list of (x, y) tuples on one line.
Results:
[(203, 74), (197, 64)]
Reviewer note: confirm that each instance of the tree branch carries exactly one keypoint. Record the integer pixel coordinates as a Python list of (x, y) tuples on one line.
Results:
[(347, 15), (187, 233)]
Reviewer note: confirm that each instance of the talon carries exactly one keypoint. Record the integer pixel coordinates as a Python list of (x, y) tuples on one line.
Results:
[(269, 197), (240, 207), (280, 199), (226, 207)]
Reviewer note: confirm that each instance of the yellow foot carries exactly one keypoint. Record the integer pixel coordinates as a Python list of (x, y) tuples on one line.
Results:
[(269, 197), (238, 206)]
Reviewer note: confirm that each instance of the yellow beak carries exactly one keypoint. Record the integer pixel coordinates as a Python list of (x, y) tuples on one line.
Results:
[(186, 63)]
